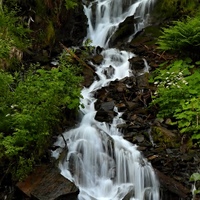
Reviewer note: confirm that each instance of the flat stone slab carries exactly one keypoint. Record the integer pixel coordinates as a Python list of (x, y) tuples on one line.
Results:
[(46, 183)]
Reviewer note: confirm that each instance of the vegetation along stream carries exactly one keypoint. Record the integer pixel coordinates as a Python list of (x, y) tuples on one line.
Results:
[(99, 99)]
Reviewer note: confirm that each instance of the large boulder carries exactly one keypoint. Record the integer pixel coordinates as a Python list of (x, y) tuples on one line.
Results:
[(125, 29), (46, 183)]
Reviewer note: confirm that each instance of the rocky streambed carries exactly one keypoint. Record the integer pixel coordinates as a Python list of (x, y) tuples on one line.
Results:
[(172, 156)]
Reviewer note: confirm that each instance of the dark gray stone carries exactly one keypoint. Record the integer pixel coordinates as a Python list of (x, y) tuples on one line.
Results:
[(46, 183)]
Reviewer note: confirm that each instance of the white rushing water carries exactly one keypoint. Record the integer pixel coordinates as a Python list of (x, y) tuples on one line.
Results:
[(99, 161), (104, 17)]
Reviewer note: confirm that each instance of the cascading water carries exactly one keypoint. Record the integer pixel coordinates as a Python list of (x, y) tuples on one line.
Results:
[(104, 17), (99, 161)]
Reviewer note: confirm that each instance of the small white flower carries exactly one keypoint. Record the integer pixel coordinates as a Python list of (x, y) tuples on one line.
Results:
[(180, 73), (13, 106), (7, 115), (155, 83)]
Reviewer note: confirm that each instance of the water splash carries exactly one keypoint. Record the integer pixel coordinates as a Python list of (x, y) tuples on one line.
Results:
[(104, 17)]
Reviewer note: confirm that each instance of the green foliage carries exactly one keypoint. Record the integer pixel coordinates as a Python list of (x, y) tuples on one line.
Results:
[(182, 37), (177, 8), (31, 110), (12, 33), (177, 96), (194, 178), (70, 4)]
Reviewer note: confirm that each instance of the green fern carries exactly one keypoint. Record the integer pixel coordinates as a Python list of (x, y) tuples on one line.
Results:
[(182, 37)]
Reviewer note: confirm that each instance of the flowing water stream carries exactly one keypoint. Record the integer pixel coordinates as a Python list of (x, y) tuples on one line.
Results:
[(99, 161)]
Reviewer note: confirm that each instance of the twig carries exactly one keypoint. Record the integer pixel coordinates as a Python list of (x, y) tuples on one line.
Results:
[(76, 57), (66, 147)]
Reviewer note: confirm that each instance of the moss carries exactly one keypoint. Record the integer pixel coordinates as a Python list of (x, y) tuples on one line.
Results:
[(50, 34), (148, 36), (175, 9), (165, 137)]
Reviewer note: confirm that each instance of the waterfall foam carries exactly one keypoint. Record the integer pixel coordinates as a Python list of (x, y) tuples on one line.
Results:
[(99, 161)]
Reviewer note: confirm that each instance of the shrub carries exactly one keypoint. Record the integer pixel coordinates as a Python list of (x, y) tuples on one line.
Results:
[(34, 109), (182, 37), (177, 96), (13, 33), (177, 8)]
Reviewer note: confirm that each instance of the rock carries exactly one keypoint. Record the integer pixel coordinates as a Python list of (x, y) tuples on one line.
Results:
[(143, 81), (164, 136), (101, 95), (88, 77), (173, 186), (46, 183), (97, 59), (137, 63), (105, 116), (169, 151), (120, 87), (109, 71), (132, 105), (138, 139), (125, 29), (107, 106), (121, 107)]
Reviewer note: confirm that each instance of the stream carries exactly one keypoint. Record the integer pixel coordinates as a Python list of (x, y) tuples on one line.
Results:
[(99, 161)]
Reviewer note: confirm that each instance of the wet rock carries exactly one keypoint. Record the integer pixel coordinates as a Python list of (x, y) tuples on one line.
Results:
[(105, 116), (122, 126), (125, 29), (137, 63), (46, 183), (138, 139), (101, 95), (109, 71), (107, 106), (97, 59)]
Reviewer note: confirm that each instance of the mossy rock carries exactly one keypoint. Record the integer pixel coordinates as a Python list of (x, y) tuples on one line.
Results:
[(165, 137), (147, 36)]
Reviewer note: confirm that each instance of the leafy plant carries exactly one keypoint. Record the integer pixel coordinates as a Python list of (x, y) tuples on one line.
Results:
[(177, 8), (14, 38), (194, 178), (70, 4), (32, 109), (177, 96), (182, 37)]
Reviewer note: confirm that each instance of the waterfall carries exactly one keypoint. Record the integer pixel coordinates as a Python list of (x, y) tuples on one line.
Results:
[(99, 161), (104, 17)]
